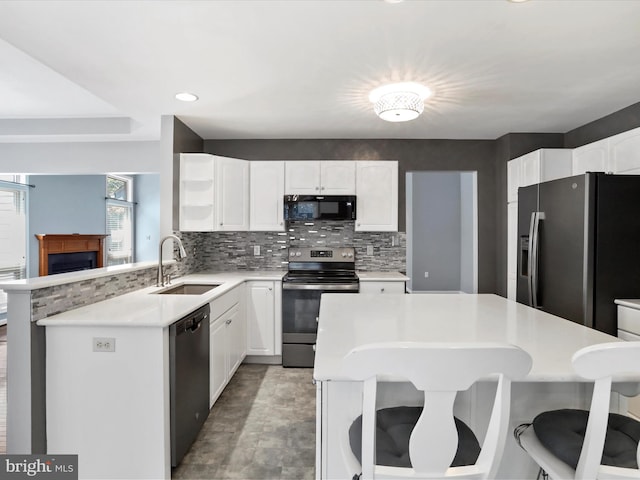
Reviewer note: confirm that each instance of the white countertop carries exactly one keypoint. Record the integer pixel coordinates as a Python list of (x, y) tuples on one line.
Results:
[(143, 308), (382, 276), (349, 320), (28, 284), (631, 303)]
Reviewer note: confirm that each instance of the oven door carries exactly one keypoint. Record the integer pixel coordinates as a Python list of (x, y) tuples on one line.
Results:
[(300, 310)]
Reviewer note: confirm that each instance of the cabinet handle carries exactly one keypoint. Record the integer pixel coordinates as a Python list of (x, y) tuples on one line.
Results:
[(270, 288), (317, 188), (382, 290), (317, 319), (228, 322), (321, 188)]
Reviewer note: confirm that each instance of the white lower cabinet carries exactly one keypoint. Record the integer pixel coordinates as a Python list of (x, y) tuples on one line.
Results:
[(264, 318), (218, 359), (382, 287), (228, 347)]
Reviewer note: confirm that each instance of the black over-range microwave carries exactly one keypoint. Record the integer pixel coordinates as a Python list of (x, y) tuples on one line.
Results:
[(326, 207)]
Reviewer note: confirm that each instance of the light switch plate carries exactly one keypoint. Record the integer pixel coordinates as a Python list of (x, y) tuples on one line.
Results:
[(256, 250), (369, 249)]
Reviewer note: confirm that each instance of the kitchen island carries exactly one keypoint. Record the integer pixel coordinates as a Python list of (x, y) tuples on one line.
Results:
[(111, 405), (347, 321)]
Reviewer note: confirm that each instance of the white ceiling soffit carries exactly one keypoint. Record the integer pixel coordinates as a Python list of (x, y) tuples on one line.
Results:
[(304, 69)]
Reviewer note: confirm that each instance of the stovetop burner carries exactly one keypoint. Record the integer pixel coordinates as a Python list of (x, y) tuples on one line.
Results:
[(317, 265)]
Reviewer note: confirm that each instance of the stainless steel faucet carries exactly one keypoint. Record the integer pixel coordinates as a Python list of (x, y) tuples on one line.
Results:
[(182, 254)]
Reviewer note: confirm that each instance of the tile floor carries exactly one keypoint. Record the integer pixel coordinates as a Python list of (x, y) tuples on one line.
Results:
[(261, 428)]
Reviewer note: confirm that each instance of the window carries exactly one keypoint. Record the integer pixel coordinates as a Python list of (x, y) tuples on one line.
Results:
[(13, 230), (119, 220)]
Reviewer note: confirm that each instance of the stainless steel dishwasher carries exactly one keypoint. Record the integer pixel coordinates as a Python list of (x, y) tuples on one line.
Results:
[(189, 380)]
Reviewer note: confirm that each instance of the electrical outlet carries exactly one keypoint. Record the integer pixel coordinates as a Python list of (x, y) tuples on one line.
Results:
[(369, 249), (256, 250), (102, 344), (426, 274)]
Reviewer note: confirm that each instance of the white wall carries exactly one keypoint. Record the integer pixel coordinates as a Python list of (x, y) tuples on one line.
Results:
[(81, 158)]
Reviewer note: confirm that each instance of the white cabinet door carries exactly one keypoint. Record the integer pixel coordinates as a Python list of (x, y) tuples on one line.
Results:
[(513, 179), (261, 325), (302, 178), (266, 212), (338, 177), (232, 194), (236, 340), (382, 287), (377, 196), (544, 165), (624, 152), (330, 177), (593, 157), (197, 188), (218, 359)]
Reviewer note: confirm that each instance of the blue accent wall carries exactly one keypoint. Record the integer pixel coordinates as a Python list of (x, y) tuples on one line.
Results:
[(64, 204)]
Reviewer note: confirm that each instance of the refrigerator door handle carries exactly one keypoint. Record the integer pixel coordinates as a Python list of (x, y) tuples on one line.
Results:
[(532, 223), (534, 234)]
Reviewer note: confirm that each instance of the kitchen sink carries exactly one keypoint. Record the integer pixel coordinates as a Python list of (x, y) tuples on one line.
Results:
[(189, 289)]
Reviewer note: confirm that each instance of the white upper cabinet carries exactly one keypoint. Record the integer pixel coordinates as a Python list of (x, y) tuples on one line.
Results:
[(544, 165), (513, 180), (214, 193), (536, 167), (232, 198), (197, 192), (624, 152), (377, 196), (330, 177), (593, 157), (266, 194)]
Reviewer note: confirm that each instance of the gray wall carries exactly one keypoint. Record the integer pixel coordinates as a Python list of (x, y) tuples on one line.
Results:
[(434, 240), (64, 204), (412, 155), (617, 122), (487, 157)]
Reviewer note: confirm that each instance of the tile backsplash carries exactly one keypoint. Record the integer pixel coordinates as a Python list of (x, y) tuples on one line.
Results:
[(227, 251), (223, 251)]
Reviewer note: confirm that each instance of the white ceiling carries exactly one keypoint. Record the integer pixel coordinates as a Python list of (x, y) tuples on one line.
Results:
[(304, 69)]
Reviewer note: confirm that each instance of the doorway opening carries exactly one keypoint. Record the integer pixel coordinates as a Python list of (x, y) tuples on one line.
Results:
[(442, 232)]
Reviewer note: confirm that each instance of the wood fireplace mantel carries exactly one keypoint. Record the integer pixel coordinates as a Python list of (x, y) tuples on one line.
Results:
[(69, 243)]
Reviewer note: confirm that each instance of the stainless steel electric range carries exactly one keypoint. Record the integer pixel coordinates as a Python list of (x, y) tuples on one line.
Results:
[(312, 272)]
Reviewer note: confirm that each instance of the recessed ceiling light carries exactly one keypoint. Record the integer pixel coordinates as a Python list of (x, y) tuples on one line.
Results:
[(399, 102), (186, 97)]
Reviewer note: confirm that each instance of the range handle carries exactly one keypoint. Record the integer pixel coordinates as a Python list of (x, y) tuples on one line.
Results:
[(534, 246)]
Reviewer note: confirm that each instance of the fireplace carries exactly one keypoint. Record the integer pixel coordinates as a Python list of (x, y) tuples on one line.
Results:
[(61, 253)]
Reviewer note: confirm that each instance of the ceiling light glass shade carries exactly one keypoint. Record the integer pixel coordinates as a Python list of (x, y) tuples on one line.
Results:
[(186, 97), (399, 102), (399, 106)]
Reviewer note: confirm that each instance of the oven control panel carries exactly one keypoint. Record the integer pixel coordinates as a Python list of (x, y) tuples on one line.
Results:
[(322, 254)]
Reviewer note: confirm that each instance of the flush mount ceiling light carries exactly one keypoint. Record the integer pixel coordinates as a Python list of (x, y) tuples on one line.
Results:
[(186, 97), (399, 102)]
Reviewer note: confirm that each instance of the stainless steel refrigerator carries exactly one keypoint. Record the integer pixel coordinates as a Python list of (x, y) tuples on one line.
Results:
[(579, 247)]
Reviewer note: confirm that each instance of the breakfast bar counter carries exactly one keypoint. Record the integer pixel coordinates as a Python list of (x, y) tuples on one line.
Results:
[(350, 320)]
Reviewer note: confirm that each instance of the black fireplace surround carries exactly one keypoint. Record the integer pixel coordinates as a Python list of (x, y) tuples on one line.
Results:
[(71, 262)]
